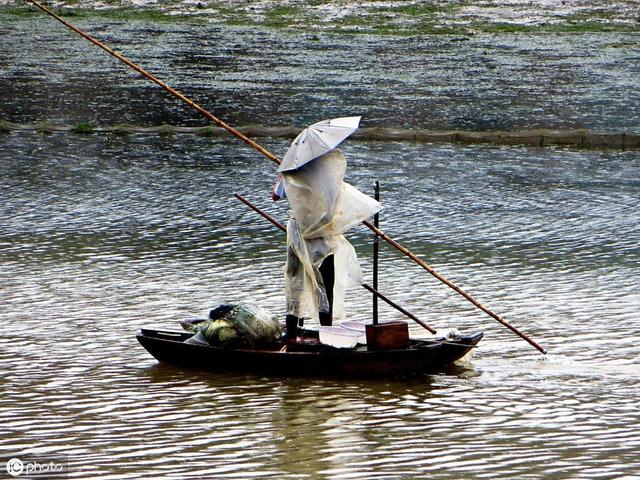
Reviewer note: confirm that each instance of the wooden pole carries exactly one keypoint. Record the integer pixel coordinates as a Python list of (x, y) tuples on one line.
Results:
[(276, 160), (376, 252)]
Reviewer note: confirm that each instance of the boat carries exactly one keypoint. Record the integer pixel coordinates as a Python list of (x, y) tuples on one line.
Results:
[(308, 357)]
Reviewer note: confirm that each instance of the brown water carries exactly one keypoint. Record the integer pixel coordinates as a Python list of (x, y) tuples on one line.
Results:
[(102, 235)]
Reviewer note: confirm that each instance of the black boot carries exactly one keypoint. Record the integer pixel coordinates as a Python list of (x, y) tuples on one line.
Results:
[(292, 328), (327, 270), (325, 319)]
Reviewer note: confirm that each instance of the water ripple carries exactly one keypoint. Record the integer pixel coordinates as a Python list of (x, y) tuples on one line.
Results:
[(96, 246)]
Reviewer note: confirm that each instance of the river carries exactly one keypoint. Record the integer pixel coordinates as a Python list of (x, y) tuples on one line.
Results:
[(103, 234)]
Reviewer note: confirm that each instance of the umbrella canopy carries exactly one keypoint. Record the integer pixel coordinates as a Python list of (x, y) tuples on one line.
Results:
[(316, 140)]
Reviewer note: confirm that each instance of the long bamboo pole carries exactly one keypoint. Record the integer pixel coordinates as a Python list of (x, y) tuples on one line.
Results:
[(450, 284), (276, 160)]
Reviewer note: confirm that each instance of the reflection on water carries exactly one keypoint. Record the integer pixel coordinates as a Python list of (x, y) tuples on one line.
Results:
[(103, 235)]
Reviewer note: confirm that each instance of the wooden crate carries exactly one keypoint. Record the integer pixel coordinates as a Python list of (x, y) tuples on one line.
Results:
[(387, 336)]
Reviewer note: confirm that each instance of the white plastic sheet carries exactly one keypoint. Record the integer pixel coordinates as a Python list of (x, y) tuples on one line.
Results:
[(323, 207)]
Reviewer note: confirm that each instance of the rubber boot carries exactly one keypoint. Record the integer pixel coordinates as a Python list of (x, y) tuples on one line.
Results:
[(292, 328), (327, 270), (325, 319)]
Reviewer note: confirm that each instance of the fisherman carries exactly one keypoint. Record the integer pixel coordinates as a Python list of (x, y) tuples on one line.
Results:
[(321, 263)]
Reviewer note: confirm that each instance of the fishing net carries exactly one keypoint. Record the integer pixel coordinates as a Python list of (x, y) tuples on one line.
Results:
[(237, 325)]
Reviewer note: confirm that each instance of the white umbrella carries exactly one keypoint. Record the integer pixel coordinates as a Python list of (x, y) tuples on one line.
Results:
[(316, 140)]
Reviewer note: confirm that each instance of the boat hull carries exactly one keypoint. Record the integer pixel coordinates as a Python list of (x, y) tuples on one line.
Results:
[(307, 358)]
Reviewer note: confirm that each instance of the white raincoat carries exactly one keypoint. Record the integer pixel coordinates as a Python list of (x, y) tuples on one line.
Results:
[(323, 207)]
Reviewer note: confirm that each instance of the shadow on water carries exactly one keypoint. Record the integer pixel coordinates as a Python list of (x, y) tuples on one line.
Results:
[(169, 374)]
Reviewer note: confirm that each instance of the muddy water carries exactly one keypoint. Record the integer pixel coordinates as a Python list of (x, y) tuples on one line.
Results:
[(101, 235)]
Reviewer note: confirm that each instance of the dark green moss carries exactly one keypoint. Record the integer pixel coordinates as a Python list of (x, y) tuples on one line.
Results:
[(232, 16), (356, 21), (397, 19), (130, 14), (591, 15), (584, 27), (83, 128), (383, 25), (20, 11), (599, 27), (283, 16), (145, 14), (283, 10), (414, 10), (504, 28)]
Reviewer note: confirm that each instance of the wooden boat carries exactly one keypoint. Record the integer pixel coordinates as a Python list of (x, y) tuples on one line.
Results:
[(308, 356)]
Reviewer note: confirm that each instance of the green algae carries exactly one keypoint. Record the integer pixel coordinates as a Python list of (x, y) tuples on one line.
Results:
[(282, 16), (143, 14), (116, 13), (20, 12), (83, 128)]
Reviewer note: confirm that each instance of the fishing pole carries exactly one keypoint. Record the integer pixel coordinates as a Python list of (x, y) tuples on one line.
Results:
[(276, 160)]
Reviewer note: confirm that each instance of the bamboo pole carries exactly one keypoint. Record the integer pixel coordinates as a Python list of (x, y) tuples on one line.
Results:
[(276, 160), (451, 285)]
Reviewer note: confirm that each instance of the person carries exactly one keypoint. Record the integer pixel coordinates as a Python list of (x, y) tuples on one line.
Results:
[(320, 262)]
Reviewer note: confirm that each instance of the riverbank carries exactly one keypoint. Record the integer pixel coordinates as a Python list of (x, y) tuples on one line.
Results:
[(535, 138)]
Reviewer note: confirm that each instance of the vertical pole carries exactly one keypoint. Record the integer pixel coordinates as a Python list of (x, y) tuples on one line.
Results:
[(376, 246)]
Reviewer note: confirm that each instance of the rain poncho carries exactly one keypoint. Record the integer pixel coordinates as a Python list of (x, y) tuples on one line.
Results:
[(323, 207)]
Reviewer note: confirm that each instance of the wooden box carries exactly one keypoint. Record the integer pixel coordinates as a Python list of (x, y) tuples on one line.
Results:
[(387, 336)]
